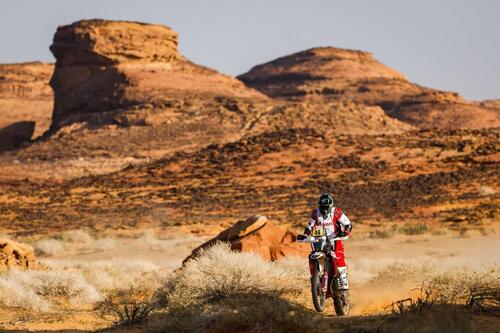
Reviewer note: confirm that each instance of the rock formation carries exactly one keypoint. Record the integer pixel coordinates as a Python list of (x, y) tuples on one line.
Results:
[(25, 94), (15, 134), (338, 74), (257, 234), (111, 65), (13, 254)]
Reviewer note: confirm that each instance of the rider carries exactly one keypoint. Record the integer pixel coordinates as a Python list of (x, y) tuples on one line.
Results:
[(335, 224)]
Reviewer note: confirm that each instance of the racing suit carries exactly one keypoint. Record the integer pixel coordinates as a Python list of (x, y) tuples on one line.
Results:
[(332, 226)]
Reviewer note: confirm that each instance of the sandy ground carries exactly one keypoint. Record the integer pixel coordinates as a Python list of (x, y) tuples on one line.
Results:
[(366, 257)]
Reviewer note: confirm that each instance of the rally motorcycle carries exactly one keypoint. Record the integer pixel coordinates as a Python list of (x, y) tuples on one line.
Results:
[(325, 282)]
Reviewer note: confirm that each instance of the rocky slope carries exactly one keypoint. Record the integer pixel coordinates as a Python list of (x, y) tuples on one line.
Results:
[(25, 95), (418, 176), (338, 74)]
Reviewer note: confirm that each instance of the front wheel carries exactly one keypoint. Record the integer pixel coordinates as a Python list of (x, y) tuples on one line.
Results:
[(318, 294), (341, 303)]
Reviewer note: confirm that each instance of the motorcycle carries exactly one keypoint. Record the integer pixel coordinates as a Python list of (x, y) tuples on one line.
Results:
[(325, 282)]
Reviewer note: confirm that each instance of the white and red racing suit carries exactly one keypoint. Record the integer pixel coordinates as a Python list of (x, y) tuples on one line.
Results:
[(331, 225)]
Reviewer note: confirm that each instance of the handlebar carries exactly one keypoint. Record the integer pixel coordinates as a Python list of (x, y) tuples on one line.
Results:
[(312, 239)]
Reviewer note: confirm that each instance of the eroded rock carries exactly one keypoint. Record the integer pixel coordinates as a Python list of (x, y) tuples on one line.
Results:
[(105, 66), (259, 235), (14, 135), (16, 255)]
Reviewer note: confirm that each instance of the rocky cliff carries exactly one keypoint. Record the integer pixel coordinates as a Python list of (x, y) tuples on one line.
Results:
[(110, 65), (338, 74)]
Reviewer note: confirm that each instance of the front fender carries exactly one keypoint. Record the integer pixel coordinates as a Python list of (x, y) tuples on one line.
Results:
[(316, 262)]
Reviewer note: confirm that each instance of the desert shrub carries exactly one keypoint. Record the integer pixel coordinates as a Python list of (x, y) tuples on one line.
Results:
[(14, 294), (82, 284), (57, 283), (127, 306), (34, 289), (414, 229), (381, 233), (218, 273), (459, 284), (225, 291), (111, 274), (485, 300)]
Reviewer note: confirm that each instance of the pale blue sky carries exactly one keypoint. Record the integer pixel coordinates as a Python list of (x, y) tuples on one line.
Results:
[(445, 44)]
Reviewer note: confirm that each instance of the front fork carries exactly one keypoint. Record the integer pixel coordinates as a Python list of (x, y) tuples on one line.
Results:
[(322, 263)]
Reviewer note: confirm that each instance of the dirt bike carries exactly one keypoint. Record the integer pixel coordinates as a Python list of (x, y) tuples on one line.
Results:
[(324, 273)]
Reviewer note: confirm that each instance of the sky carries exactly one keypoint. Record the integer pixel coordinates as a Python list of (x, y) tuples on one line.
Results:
[(444, 44)]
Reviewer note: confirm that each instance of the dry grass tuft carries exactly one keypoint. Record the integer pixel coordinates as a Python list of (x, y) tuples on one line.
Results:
[(42, 286), (381, 233), (127, 306), (457, 285), (414, 229), (14, 295), (479, 290), (219, 273)]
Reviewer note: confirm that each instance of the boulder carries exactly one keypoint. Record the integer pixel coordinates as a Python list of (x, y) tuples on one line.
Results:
[(14, 135), (16, 255), (259, 235)]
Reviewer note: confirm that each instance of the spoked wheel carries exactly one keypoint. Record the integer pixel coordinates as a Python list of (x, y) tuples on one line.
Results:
[(318, 294), (341, 303)]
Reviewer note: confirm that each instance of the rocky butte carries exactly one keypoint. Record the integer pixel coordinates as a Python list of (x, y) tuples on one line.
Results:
[(329, 73), (110, 65)]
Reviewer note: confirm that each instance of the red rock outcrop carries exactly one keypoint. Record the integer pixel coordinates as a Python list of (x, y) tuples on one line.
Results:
[(25, 94), (257, 234), (337, 74), (14, 254), (110, 65), (15, 134)]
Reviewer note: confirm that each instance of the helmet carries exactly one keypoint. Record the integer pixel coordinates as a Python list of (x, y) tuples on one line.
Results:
[(325, 204)]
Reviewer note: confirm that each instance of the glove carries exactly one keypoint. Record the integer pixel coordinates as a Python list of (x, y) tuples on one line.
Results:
[(341, 233), (301, 237)]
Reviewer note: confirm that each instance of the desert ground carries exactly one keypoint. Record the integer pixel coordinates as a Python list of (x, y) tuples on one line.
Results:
[(79, 268), (124, 158)]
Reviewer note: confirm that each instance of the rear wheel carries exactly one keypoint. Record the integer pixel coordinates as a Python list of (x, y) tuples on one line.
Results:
[(318, 294), (341, 302)]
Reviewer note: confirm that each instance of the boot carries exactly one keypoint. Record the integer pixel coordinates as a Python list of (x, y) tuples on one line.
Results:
[(343, 281)]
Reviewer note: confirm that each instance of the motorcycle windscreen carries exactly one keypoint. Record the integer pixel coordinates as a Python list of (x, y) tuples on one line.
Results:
[(319, 246)]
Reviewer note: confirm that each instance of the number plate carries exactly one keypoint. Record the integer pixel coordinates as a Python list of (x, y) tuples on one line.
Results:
[(317, 232)]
